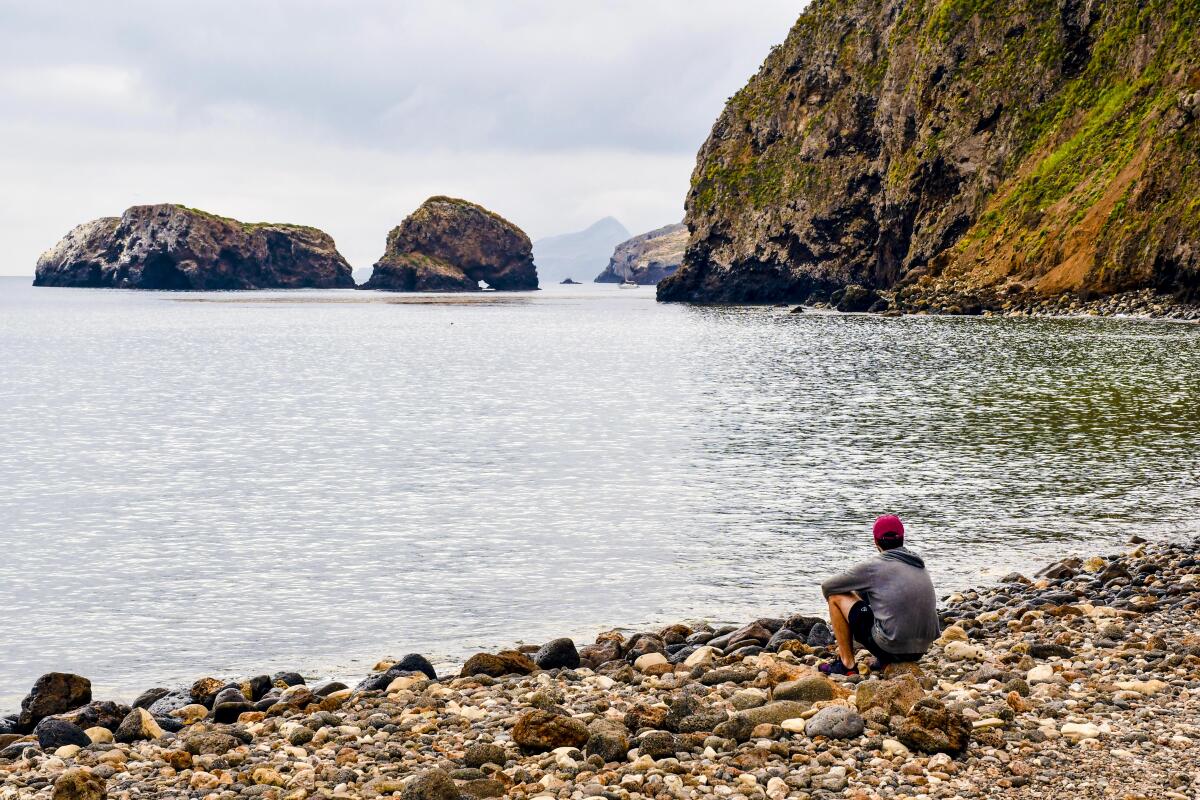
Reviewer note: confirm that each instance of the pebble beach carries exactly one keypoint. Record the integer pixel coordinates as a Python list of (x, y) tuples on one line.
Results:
[(1081, 680)]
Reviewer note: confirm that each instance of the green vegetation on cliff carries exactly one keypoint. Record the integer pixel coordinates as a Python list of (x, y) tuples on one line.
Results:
[(970, 145)]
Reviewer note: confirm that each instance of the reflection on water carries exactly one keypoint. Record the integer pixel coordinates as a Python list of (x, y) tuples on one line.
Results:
[(239, 486)]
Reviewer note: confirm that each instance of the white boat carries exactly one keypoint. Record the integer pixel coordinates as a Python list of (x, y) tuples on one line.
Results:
[(628, 284)]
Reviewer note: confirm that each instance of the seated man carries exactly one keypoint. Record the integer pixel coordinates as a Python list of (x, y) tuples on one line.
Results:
[(887, 604)]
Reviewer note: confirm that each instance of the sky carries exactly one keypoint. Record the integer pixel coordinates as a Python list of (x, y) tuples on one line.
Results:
[(346, 115)]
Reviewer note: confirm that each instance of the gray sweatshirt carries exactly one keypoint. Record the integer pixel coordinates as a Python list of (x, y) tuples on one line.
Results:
[(897, 587)]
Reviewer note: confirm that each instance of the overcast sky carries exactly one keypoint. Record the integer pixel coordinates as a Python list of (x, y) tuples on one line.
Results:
[(346, 115)]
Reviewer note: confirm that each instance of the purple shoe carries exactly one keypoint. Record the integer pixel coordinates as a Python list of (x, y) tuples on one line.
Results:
[(835, 667)]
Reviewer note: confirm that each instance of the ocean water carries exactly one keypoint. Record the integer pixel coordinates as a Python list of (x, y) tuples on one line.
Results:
[(232, 484)]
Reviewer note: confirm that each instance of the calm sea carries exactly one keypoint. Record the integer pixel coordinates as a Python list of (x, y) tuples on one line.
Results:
[(231, 484)]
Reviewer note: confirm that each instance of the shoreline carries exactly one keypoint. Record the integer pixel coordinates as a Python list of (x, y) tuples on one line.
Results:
[(1094, 663)]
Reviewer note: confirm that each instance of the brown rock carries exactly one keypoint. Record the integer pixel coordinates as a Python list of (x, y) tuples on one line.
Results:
[(896, 696), (540, 731), (53, 693), (931, 727), (507, 662), (79, 784)]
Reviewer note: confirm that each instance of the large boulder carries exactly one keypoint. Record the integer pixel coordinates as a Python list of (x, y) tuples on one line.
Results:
[(648, 258), (541, 731), (507, 662), (174, 247), (450, 245), (895, 697), (53, 733), (53, 693), (931, 727), (78, 783), (557, 653)]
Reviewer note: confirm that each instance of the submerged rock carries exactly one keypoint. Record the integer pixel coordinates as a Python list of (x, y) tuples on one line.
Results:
[(450, 245), (172, 247), (648, 258)]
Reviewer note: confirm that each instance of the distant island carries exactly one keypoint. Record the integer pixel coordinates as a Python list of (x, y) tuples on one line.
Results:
[(451, 245), (173, 247), (579, 254)]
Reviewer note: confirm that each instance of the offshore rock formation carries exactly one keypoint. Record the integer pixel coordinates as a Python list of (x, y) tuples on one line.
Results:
[(450, 245), (648, 258), (978, 148), (178, 248)]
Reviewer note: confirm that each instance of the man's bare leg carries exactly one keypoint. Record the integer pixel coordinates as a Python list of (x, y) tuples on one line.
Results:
[(839, 620)]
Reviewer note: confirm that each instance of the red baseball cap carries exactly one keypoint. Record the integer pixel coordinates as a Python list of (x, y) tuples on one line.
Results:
[(889, 528)]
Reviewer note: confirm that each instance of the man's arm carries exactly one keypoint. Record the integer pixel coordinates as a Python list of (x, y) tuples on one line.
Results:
[(856, 579)]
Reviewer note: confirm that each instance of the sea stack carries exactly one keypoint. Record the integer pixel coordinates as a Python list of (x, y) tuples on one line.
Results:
[(647, 259), (450, 245), (956, 150), (173, 247)]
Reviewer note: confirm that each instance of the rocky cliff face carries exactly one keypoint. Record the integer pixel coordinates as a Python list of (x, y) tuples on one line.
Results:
[(173, 247), (979, 148), (450, 245), (648, 258)]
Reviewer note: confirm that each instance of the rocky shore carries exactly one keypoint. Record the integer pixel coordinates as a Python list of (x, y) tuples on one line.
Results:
[(1081, 681), (921, 299)]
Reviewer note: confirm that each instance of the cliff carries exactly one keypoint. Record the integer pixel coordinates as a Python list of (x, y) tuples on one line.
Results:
[(979, 148), (173, 247), (648, 258), (450, 245)]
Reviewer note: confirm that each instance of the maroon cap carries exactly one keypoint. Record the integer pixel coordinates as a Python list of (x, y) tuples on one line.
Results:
[(889, 529)]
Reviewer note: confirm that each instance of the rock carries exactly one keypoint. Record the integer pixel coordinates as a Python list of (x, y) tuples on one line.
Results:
[(508, 662), (648, 258), (210, 743), (739, 728), (701, 656), (894, 697), (819, 636), (53, 693), (1042, 673), (326, 689), (171, 702), (174, 247), (644, 662), (749, 698), (228, 705), (835, 722), (776, 712), (557, 654), (53, 733), (138, 726), (657, 744), (104, 713), (1147, 688), (1043, 650), (149, 697), (540, 731), (1076, 731), (451, 245), (432, 784), (205, 690), (78, 783), (569, 282), (856, 299), (961, 651), (99, 735), (287, 679), (931, 727), (485, 753), (609, 740), (642, 716), (811, 689), (795, 725)]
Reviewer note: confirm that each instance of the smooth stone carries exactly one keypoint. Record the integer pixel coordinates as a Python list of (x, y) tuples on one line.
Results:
[(835, 722)]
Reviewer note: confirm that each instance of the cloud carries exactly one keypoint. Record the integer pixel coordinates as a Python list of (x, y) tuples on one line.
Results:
[(346, 115)]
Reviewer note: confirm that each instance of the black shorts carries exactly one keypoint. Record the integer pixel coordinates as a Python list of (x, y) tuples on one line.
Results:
[(862, 621)]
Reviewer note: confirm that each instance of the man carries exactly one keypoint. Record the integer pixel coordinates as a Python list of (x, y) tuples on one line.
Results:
[(886, 603)]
